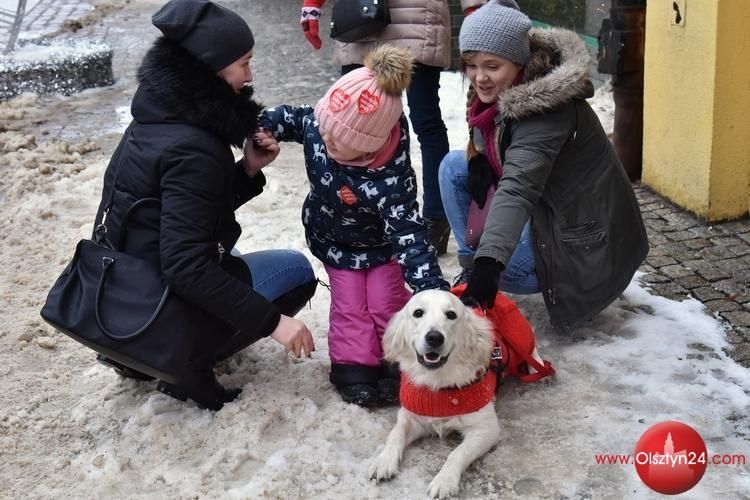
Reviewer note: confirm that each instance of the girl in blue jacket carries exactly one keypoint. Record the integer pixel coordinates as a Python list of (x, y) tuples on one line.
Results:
[(361, 215)]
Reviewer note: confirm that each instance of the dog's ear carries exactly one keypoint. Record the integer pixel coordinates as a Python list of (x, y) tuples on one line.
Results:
[(480, 336), (395, 339)]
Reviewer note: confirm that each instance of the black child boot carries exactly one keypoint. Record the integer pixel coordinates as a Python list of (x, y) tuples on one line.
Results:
[(356, 383), (389, 383)]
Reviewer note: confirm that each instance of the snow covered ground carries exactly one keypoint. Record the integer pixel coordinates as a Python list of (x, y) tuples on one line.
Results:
[(69, 427)]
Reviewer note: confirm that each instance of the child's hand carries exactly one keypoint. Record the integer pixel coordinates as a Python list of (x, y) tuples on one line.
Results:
[(260, 149)]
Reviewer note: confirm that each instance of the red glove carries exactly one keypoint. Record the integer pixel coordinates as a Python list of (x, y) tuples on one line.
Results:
[(310, 20), (469, 11)]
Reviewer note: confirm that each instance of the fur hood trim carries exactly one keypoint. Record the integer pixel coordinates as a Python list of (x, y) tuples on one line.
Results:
[(191, 91), (557, 72)]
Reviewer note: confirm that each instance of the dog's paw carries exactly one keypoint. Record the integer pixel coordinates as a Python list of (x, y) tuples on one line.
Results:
[(444, 485), (384, 467)]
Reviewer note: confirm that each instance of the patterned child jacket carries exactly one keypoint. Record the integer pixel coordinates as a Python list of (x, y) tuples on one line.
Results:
[(384, 223)]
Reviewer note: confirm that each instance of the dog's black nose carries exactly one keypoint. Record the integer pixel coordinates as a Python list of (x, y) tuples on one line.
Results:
[(434, 339)]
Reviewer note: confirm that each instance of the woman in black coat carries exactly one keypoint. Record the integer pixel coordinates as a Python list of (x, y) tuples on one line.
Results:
[(192, 104)]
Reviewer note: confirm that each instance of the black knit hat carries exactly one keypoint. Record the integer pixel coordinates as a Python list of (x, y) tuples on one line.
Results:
[(212, 33)]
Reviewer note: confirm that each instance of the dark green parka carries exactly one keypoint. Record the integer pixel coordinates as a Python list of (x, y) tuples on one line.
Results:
[(560, 169)]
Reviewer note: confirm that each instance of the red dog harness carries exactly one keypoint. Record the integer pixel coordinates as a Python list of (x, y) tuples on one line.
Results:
[(511, 355)]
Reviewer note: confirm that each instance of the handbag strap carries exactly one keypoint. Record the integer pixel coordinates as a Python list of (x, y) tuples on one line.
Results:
[(100, 230), (107, 263)]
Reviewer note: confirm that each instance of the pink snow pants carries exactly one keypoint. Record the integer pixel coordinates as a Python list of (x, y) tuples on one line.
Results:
[(362, 302)]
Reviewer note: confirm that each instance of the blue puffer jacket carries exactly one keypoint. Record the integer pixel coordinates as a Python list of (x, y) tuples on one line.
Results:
[(384, 222)]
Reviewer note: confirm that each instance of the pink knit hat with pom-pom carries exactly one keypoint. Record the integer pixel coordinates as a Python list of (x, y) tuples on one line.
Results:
[(362, 107)]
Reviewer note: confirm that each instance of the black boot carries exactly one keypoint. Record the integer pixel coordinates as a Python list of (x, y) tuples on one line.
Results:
[(294, 300), (389, 383), (289, 304), (201, 386), (467, 266), (123, 370), (356, 383), (359, 394), (440, 232)]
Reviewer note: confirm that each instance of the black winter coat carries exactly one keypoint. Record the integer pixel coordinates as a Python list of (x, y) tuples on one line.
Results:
[(178, 149)]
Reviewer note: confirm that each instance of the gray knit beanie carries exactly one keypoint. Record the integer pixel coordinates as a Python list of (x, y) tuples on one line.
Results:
[(498, 27), (212, 33)]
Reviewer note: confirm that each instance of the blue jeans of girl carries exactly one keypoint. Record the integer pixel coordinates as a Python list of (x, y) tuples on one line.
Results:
[(520, 270)]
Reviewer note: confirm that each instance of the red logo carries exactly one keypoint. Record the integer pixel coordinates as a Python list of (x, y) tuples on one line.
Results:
[(347, 196), (367, 102), (338, 101), (670, 457)]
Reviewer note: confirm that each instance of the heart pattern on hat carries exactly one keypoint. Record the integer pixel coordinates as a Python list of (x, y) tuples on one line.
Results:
[(338, 100), (367, 102)]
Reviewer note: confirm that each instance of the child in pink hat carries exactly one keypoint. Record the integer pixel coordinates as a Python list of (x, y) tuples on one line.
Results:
[(361, 215)]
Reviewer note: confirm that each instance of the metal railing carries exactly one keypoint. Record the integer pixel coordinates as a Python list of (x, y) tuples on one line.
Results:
[(13, 21)]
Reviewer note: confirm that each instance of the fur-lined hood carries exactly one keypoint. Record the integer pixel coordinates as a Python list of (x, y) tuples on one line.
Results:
[(177, 87), (557, 71)]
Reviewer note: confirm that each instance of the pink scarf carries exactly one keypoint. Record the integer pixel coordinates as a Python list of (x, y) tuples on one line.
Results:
[(379, 158), (482, 116)]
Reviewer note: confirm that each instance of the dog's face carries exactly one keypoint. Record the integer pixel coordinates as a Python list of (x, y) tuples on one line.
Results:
[(438, 341)]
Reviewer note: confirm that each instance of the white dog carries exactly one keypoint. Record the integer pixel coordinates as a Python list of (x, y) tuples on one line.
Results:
[(440, 344)]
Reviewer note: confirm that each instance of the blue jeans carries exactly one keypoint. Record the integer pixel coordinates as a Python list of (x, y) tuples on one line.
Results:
[(519, 275), (427, 121), (276, 272)]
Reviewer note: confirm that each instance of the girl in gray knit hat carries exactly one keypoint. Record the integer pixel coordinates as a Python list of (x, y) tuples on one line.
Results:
[(539, 181)]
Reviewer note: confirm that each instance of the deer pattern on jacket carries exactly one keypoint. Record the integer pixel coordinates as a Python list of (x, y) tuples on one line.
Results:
[(383, 221)]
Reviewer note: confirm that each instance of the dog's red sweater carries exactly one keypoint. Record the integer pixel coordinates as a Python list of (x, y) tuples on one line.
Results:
[(515, 339)]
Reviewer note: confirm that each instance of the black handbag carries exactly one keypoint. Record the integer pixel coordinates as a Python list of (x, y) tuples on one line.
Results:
[(353, 20), (118, 305)]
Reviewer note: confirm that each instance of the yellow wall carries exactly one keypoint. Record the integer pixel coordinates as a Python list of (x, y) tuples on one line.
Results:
[(696, 145)]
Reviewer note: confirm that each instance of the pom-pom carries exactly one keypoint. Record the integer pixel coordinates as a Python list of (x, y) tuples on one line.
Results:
[(392, 67)]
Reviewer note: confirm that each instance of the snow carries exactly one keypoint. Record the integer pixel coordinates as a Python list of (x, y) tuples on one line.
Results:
[(51, 54), (70, 427)]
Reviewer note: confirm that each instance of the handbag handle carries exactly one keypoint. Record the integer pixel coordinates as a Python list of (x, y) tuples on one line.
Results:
[(99, 237), (124, 224), (107, 262)]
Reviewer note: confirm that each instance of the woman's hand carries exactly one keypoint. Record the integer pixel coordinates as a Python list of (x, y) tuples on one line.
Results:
[(294, 336), (483, 283), (260, 149), (481, 177)]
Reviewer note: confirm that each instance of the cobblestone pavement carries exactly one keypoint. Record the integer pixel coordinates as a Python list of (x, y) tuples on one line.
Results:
[(710, 262), (44, 17), (688, 258)]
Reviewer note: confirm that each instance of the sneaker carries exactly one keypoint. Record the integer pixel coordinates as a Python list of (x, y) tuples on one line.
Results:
[(440, 232), (463, 277), (388, 391), (359, 394)]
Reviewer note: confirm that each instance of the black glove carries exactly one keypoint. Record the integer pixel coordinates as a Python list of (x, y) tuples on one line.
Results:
[(482, 285), (481, 177)]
